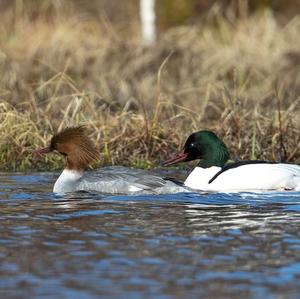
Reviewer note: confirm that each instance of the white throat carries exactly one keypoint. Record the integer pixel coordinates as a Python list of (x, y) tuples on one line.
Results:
[(67, 181)]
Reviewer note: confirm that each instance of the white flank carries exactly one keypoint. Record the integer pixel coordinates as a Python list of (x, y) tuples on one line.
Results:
[(246, 178), (134, 189)]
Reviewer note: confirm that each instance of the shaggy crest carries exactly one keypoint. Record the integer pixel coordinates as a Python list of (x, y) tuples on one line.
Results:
[(74, 143)]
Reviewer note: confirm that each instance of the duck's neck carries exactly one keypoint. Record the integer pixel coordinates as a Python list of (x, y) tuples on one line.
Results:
[(67, 181), (217, 156)]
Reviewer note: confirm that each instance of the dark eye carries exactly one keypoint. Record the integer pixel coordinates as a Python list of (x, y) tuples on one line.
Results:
[(54, 145)]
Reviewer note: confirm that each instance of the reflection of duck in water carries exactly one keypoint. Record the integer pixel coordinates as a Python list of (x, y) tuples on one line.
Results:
[(76, 146), (213, 174)]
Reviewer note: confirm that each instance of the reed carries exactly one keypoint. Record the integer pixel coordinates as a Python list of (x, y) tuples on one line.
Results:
[(139, 101)]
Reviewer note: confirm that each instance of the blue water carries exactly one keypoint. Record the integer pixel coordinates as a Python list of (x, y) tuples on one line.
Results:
[(186, 245)]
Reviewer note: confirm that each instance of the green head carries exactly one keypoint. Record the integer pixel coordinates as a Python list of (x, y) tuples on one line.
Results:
[(203, 145)]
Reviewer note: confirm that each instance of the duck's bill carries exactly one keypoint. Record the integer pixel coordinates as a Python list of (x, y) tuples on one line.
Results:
[(179, 157), (42, 151)]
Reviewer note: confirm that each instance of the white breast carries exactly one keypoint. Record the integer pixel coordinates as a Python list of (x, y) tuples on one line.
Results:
[(199, 178), (247, 177), (67, 181)]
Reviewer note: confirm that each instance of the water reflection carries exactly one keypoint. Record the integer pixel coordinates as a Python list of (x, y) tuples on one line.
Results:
[(168, 246), (262, 216)]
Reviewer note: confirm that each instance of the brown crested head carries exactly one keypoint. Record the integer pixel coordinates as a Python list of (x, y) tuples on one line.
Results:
[(75, 145)]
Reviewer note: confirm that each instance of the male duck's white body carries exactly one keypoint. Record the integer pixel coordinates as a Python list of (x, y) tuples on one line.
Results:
[(249, 177), (212, 174), (79, 151)]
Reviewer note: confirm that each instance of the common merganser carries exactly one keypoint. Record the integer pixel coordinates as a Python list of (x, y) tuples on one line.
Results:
[(213, 174), (79, 151)]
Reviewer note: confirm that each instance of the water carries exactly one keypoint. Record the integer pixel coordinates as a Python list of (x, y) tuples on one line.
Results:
[(166, 246)]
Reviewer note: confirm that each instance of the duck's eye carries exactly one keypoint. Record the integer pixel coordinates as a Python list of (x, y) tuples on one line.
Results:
[(190, 147), (54, 145)]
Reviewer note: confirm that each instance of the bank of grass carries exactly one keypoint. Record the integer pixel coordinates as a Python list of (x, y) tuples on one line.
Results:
[(140, 102)]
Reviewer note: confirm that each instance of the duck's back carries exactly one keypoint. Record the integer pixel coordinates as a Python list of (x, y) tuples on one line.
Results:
[(123, 180)]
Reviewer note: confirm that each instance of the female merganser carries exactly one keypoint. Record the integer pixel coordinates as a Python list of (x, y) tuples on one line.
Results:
[(76, 146), (213, 174)]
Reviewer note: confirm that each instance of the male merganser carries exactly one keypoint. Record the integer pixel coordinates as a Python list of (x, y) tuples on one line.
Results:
[(76, 146), (213, 174)]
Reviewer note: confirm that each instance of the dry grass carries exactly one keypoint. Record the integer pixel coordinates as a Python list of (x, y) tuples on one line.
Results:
[(141, 102)]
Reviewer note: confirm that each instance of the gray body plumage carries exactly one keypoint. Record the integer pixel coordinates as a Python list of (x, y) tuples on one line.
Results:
[(123, 180)]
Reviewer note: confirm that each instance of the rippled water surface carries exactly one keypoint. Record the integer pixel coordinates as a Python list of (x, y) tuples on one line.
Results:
[(165, 246)]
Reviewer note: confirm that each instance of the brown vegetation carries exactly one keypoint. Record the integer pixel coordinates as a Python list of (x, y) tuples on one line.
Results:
[(141, 102)]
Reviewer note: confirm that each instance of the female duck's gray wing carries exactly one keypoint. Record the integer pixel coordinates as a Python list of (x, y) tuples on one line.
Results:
[(123, 180)]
